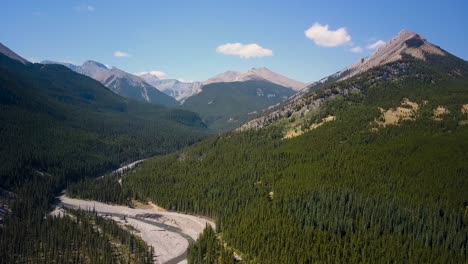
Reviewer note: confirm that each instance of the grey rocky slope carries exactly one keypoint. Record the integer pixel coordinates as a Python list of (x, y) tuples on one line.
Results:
[(393, 59), (121, 82), (404, 43), (172, 87)]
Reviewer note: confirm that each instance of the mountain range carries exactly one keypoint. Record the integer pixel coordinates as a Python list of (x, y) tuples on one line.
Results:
[(121, 82), (142, 87), (172, 87), (224, 101)]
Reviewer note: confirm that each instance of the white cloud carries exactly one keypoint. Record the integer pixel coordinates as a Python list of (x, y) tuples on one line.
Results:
[(88, 8), (244, 51), (379, 43), (356, 49), (322, 36), (159, 74), (121, 54)]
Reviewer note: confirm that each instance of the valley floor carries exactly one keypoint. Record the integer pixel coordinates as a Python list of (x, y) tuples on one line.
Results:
[(169, 233)]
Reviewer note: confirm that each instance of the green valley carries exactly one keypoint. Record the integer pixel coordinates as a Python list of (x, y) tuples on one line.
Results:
[(227, 105), (58, 127)]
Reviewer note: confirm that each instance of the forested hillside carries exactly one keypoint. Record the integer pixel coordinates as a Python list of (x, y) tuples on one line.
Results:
[(58, 126), (57, 121), (356, 189), (79, 237), (227, 105), (121, 82)]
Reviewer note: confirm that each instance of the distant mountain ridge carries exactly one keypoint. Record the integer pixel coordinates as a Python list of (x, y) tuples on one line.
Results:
[(229, 99), (256, 74), (121, 82), (172, 87), (181, 91)]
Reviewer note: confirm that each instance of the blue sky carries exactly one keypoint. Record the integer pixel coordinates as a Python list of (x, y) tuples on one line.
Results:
[(194, 40)]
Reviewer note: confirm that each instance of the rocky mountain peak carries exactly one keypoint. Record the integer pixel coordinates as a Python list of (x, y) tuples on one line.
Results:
[(404, 43), (91, 63)]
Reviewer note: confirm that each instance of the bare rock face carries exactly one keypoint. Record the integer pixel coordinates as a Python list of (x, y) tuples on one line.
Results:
[(172, 87), (388, 57), (405, 42)]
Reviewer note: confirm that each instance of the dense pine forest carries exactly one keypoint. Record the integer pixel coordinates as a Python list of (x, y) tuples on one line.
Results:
[(349, 191), (230, 104), (69, 125), (58, 127), (210, 249), (78, 237)]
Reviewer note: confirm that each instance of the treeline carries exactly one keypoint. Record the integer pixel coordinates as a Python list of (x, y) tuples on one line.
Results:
[(27, 235), (208, 249), (78, 237), (106, 189), (340, 193)]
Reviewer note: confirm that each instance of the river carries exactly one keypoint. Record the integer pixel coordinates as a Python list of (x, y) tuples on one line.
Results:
[(170, 233)]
